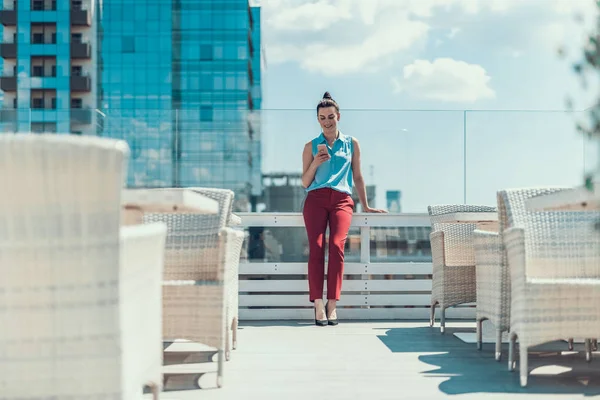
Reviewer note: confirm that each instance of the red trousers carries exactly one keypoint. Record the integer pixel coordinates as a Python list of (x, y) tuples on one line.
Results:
[(322, 207)]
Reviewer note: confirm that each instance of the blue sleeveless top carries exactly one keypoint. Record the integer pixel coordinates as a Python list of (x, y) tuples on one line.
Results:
[(335, 173)]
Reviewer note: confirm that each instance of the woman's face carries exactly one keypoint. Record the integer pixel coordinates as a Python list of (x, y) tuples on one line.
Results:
[(328, 119)]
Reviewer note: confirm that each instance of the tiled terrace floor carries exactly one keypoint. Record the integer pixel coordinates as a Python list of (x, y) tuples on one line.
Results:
[(384, 360)]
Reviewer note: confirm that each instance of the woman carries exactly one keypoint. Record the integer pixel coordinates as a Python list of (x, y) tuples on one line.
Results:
[(331, 164)]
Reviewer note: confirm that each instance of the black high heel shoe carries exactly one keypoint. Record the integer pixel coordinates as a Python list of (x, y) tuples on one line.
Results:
[(329, 320), (320, 322)]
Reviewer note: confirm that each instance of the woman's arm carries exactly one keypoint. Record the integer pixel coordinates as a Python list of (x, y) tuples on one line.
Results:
[(359, 181), (310, 164)]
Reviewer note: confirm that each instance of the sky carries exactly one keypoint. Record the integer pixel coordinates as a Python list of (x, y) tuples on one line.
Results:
[(414, 78)]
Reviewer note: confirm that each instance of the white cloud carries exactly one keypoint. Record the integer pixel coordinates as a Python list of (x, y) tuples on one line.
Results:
[(348, 36), (562, 29), (571, 7), (385, 41), (445, 79), (305, 15), (453, 32), (308, 16)]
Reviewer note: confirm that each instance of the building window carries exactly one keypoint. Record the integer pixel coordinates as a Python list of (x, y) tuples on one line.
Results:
[(54, 103), (76, 4), (206, 113), (54, 70), (206, 52), (38, 38), (128, 44), (38, 5), (76, 103), (206, 82), (37, 103), (76, 37), (53, 38), (76, 70), (38, 70), (37, 127), (242, 53)]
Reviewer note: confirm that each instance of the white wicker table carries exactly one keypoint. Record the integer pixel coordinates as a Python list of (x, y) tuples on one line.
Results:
[(136, 202), (487, 221), (577, 199)]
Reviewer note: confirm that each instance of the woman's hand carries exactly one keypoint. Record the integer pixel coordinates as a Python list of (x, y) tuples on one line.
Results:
[(320, 158), (374, 210)]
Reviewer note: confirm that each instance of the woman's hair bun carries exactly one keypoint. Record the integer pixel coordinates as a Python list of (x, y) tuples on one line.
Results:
[(327, 95)]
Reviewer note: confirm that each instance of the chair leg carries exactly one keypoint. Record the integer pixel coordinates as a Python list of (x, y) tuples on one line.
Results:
[(443, 320), (511, 352), (220, 362), (228, 344), (588, 350), (498, 344), (235, 329), (479, 329), (570, 342), (155, 390), (432, 315), (523, 364), (594, 344)]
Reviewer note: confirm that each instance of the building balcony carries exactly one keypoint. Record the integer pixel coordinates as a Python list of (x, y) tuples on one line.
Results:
[(81, 17), (8, 83), (81, 50), (8, 115), (8, 50), (46, 49), (8, 17), (43, 82), (43, 115), (81, 83), (81, 116)]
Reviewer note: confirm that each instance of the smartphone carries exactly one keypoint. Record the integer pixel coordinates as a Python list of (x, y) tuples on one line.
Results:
[(322, 148)]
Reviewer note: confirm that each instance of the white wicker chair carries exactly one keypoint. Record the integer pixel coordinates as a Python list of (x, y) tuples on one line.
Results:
[(492, 282), (453, 259), (194, 301), (493, 278), (142, 262), (189, 234), (225, 199), (554, 263), (81, 312)]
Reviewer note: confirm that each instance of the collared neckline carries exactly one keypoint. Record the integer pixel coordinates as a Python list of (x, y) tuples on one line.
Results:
[(340, 136)]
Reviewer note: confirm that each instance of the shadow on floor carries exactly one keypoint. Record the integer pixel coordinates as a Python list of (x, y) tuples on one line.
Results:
[(274, 323), (472, 371)]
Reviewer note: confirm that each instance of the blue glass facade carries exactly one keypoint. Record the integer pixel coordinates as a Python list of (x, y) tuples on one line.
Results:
[(136, 85), (180, 89), (255, 116)]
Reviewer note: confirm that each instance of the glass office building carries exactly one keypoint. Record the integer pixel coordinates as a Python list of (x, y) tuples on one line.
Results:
[(136, 86), (179, 80), (181, 87)]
